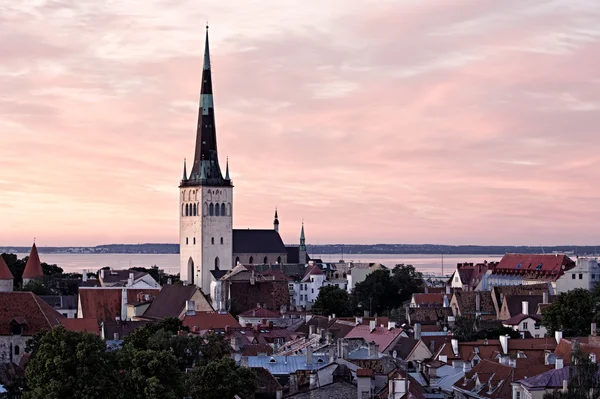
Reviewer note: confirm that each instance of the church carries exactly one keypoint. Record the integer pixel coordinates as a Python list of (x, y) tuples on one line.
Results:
[(207, 241)]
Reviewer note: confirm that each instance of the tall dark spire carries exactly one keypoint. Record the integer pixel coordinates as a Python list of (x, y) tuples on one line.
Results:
[(206, 161), (276, 222), (302, 239)]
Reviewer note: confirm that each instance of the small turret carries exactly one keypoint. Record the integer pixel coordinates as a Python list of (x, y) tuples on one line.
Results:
[(184, 170), (227, 170), (276, 222), (302, 255)]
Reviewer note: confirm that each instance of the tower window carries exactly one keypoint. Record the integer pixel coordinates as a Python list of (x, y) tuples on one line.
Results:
[(279, 259), (187, 210), (205, 209), (194, 212), (265, 260), (221, 240), (217, 263), (251, 260), (211, 209), (186, 241), (217, 210), (212, 240), (223, 209), (17, 350), (194, 240)]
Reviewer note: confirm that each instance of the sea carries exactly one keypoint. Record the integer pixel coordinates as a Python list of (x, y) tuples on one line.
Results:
[(427, 264)]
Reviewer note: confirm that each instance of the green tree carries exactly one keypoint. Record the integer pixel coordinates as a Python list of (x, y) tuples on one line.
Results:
[(221, 379), (408, 281), (138, 339), (584, 378), (333, 300), (37, 287), (571, 312), (67, 364), (215, 347), (377, 293), (186, 349), (468, 329)]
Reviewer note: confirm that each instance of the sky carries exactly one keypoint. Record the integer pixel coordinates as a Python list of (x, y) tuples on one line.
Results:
[(406, 121)]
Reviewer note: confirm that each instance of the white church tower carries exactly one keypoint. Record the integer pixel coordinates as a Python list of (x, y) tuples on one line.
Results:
[(205, 199)]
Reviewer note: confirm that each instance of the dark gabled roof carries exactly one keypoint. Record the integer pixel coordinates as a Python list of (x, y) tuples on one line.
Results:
[(294, 270), (514, 303), (170, 302), (404, 347), (257, 241), (116, 276), (123, 328), (515, 320)]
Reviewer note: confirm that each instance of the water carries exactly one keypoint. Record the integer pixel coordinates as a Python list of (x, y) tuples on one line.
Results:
[(170, 262)]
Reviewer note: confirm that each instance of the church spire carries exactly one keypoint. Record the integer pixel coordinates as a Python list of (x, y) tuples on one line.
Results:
[(206, 160), (302, 239), (227, 170), (276, 222), (184, 170)]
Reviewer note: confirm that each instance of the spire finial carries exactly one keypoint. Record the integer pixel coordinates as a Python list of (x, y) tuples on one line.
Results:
[(276, 221), (206, 51)]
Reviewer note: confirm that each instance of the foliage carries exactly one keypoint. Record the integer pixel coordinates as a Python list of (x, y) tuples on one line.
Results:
[(37, 287), (220, 379), (333, 300), (468, 329), (67, 364), (138, 339), (584, 378), (571, 312), (215, 347), (383, 291)]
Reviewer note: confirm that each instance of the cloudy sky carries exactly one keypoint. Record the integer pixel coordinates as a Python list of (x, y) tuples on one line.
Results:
[(406, 121)]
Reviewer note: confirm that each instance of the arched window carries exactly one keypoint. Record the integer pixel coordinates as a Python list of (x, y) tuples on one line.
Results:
[(279, 259), (186, 241), (223, 213), (194, 240), (237, 260), (221, 240), (211, 209), (17, 350), (251, 260), (212, 240), (187, 210), (217, 263), (182, 209), (265, 260), (194, 211), (217, 209), (229, 209), (205, 209)]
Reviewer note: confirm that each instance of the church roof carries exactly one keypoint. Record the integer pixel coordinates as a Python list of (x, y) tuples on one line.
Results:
[(257, 241), (5, 273), (33, 268)]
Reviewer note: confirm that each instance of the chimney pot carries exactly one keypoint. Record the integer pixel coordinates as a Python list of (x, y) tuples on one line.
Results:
[(525, 307), (372, 325), (84, 277)]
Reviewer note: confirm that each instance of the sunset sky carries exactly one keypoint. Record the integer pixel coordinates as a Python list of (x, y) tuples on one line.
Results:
[(406, 121)]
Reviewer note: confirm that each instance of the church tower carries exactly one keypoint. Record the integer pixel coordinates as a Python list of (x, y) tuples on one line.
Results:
[(205, 199)]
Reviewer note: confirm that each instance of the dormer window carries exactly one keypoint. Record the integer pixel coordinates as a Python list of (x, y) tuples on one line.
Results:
[(272, 360)]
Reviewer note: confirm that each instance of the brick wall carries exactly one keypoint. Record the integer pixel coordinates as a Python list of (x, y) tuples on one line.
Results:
[(271, 294)]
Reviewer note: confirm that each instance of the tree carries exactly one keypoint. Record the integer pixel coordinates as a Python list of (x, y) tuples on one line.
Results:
[(333, 300), (67, 364), (37, 287), (377, 293), (221, 379), (139, 338), (408, 280), (468, 329), (571, 312), (584, 378), (215, 347)]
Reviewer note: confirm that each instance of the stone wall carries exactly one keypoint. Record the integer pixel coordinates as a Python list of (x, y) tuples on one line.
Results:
[(270, 294)]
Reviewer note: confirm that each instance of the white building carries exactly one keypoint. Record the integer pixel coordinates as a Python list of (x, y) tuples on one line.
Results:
[(359, 271), (585, 274), (529, 325)]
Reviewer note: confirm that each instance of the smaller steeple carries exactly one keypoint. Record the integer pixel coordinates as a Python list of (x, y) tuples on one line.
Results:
[(302, 239), (33, 268), (276, 222), (227, 170), (184, 170)]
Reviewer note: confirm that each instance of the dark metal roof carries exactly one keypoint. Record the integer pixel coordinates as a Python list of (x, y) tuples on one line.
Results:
[(170, 302), (217, 274), (257, 241)]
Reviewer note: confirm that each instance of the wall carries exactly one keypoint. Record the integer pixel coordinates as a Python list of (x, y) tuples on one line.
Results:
[(258, 258), (8, 346), (272, 294), (421, 352), (6, 285), (68, 313)]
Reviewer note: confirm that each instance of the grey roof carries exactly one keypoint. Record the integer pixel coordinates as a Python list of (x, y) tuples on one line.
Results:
[(363, 353), (550, 379), (283, 365), (335, 390), (170, 302), (293, 270), (61, 301), (257, 241), (116, 276), (405, 346)]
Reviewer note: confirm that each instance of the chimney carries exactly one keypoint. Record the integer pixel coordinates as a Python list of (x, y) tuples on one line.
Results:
[(565, 386), (447, 290), (558, 336), (454, 343), (116, 336), (504, 343), (525, 307), (545, 297), (417, 331), (311, 329), (477, 302), (372, 325), (443, 358), (373, 350), (593, 328), (446, 301), (190, 308), (309, 355), (102, 273), (366, 313), (169, 281), (391, 325), (559, 363), (333, 315), (130, 280), (84, 277)]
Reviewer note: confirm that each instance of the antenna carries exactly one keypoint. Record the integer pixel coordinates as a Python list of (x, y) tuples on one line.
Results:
[(544, 252)]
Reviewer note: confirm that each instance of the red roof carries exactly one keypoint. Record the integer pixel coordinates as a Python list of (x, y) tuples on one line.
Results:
[(522, 263), (262, 313), (380, 335), (313, 270), (364, 373), (5, 273), (88, 325), (515, 320), (422, 299), (33, 268), (106, 303), (210, 320), (27, 309)]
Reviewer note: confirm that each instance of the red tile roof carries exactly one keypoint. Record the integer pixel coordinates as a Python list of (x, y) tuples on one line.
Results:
[(515, 320), (106, 303), (5, 273), (553, 265), (380, 335), (565, 347), (262, 313), (313, 270), (210, 320), (33, 268), (29, 309), (88, 325), (364, 373), (426, 299)]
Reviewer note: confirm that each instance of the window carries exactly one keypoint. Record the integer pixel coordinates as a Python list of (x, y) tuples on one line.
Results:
[(537, 326), (573, 275), (186, 241), (223, 210), (251, 261), (194, 240), (537, 335), (301, 288), (291, 286), (187, 210), (17, 350), (217, 210), (194, 210), (580, 276), (518, 395), (305, 287), (525, 325), (217, 263), (212, 240), (211, 209), (221, 240), (65, 314), (593, 276), (279, 259), (456, 279)]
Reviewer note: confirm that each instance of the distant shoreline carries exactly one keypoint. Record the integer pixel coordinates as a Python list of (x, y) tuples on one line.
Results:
[(349, 249)]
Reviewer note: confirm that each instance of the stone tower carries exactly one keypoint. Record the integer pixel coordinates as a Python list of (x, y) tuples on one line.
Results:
[(205, 199)]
